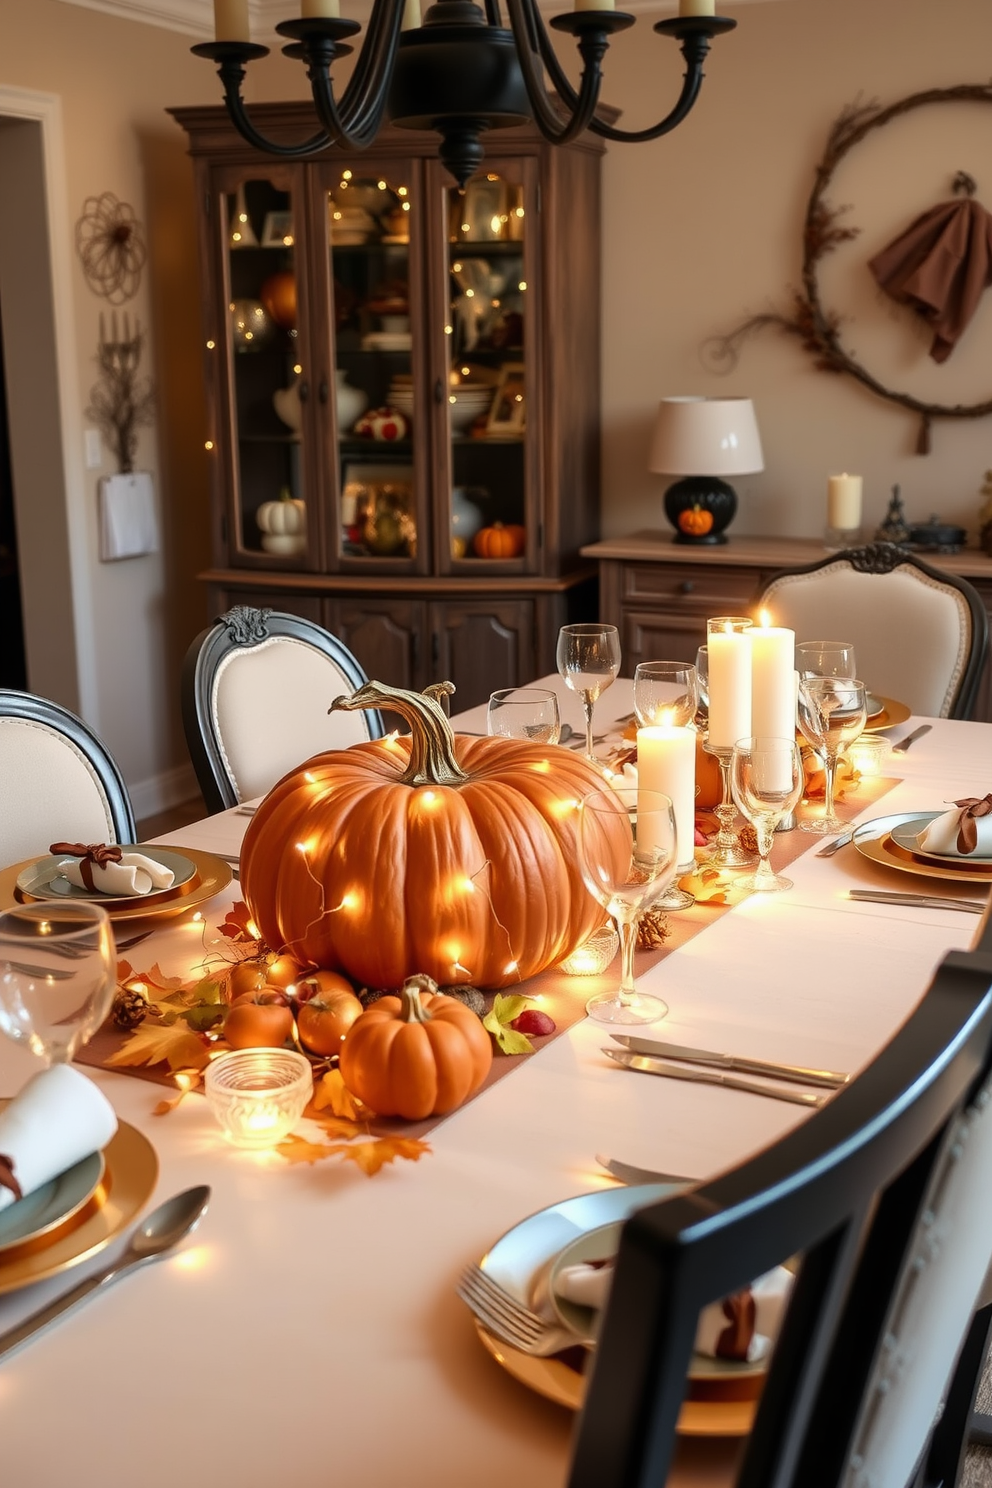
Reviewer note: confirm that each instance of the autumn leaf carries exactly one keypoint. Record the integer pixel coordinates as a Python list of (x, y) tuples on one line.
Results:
[(708, 886), (236, 923), (498, 1019), (156, 1043), (300, 1150), (190, 1080), (332, 1093), (203, 1015), (372, 1155)]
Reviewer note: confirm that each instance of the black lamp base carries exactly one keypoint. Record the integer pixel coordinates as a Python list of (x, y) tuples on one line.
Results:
[(700, 508)]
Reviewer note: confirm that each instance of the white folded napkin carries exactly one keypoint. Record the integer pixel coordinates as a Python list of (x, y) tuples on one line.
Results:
[(59, 1118), (970, 821), (134, 874), (589, 1286)]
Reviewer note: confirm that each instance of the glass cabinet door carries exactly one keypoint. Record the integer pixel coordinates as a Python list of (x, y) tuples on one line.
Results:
[(270, 514), (491, 518), (370, 210)]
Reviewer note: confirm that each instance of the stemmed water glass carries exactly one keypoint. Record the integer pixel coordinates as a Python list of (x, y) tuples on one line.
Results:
[(832, 714), (588, 661), (57, 975), (665, 692), (626, 854), (826, 659), (529, 713), (766, 780), (703, 682)]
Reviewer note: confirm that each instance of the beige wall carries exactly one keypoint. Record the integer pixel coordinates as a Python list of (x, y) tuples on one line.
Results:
[(704, 228), (700, 229)]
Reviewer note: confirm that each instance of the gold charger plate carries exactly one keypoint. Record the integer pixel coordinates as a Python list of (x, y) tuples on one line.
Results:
[(131, 1172), (873, 840), (212, 875), (891, 716)]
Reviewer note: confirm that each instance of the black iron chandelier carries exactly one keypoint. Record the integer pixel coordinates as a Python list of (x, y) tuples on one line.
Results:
[(461, 72)]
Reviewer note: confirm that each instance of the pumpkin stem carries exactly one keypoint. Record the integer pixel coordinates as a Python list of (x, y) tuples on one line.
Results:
[(413, 1010), (432, 743)]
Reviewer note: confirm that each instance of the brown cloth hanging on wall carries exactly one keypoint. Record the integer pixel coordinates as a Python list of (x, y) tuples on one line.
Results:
[(940, 266)]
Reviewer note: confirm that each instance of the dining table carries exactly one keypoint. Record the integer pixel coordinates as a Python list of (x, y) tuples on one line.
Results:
[(309, 1332)]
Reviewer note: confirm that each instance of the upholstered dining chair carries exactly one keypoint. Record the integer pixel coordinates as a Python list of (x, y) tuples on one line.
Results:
[(256, 687), (58, 781), (884, 1197), (920, 635)]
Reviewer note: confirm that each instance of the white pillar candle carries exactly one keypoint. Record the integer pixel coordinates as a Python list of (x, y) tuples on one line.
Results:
[(312, 10), (730, 687), (666, 761), (231, 20), (773, 681), (697, 7), (411, 15), (844, 502)]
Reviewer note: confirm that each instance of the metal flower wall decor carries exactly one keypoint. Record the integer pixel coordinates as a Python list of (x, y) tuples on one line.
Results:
[(818, 328), (111, 247)]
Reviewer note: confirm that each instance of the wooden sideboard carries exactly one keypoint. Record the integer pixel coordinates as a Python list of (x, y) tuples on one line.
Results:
[(659, 594)]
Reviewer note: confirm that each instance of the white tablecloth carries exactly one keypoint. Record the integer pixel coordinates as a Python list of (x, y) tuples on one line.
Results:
[(309, 1332)]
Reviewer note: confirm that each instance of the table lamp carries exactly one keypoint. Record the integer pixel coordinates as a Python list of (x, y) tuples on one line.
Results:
[(718, 436)]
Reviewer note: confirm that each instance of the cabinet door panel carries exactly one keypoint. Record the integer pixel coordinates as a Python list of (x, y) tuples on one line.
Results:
[(664, 636), (384, 636), (481, 647)]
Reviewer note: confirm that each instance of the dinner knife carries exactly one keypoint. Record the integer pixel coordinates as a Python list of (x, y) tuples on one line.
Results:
[(739, 1062), (917, 733), (916, 901), (700, 1075)]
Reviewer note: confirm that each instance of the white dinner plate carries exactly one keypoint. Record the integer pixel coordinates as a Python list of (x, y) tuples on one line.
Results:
[(42, 880), (521, 1262), (905, 835)]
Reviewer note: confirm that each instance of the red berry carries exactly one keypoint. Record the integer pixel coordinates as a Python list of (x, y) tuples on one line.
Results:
[(531, 1020)]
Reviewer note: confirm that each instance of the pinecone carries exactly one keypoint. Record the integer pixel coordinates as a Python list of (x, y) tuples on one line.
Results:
[(748, 838), (129, 1008), (652, 930), (470, 996)]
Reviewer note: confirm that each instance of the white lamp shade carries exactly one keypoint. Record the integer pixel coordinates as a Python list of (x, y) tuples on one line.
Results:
[(706, 436)]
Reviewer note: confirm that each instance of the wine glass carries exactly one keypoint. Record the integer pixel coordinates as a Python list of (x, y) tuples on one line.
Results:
[(588, 661), (58, 968), (832, 713), (665, 692), (703, 682), (529, 713), (766, 780), (826, 659), (626, 853)]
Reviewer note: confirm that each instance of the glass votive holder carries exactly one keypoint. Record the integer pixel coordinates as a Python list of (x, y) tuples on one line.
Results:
[(869, 754), (594, 955), (258, 1095)]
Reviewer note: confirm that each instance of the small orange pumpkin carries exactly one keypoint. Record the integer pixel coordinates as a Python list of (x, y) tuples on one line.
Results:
[(695, 522), (415, 1055), (498, 541), (278, 295), (324, 1019)]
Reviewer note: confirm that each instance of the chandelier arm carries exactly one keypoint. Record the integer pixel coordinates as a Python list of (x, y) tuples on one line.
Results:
[(373, 70), (593, 41), (693, 34), (230, 58)]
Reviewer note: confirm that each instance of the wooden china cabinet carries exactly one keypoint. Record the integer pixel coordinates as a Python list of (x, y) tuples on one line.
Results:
[(360, 282)]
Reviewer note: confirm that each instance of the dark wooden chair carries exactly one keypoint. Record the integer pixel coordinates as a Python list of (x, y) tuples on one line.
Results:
[(886, 1195), (920, 635), (58, 780), (256, 687)]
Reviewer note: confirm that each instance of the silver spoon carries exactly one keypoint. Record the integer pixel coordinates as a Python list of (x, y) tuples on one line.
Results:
[(163, 1229)]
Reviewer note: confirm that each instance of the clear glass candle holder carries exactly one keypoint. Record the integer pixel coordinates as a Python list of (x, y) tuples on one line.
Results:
[(258, 1095), (594, 955), (869, 755)]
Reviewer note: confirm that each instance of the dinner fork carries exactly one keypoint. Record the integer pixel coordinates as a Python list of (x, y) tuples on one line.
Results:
[(509, 1318)]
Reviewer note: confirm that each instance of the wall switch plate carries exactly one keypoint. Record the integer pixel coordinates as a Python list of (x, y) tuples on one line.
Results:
[(93, 445)]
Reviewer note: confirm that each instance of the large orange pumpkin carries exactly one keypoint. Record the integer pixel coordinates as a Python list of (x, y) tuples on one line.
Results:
[(424, 853), (419, 1054)]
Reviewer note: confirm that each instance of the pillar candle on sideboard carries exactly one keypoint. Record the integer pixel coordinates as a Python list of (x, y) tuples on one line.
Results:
[(666, 762), (728, 642)]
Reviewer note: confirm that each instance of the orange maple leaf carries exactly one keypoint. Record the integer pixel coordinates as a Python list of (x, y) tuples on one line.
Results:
[(331, 1091), (299, 1150), (236, 923), (371, 1155)]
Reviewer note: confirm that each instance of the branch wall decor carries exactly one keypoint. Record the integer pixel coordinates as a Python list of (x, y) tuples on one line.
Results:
[(816, 327)]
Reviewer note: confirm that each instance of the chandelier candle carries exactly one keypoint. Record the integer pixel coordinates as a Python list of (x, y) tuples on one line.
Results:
[(728, 640), (666, 762), (231, 20), (316, 8), (697, 7)]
